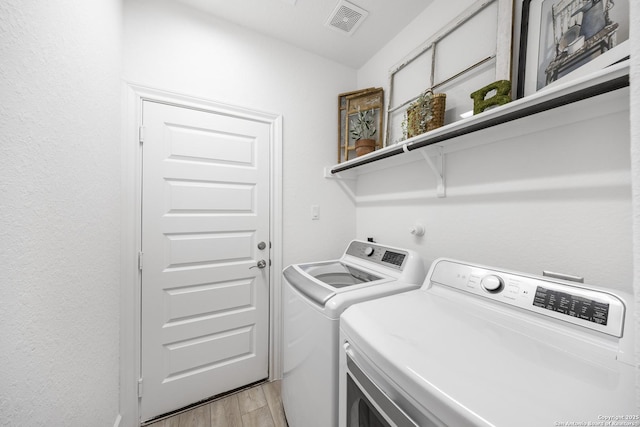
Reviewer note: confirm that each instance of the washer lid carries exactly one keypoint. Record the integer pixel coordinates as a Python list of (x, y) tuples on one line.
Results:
[(338, 274), (481, 365), (333, 275)]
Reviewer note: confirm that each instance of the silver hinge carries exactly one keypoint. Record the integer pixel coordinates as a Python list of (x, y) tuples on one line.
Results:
[(140, 261), (139, 387), (141, 134)]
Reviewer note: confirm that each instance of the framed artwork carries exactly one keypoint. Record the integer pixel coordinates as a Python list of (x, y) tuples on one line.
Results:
[(485, 29), (369, 100), (561, 40)]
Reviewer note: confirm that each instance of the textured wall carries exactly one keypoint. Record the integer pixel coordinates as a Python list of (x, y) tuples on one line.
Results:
[(59, 227)]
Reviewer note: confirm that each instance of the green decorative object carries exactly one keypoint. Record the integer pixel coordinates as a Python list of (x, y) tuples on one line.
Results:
[(502, 96)]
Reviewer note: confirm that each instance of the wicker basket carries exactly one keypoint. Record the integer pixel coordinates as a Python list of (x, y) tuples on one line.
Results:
[(414, 127)]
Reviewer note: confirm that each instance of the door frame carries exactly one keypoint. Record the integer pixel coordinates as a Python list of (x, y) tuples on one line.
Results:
[(130, 292)]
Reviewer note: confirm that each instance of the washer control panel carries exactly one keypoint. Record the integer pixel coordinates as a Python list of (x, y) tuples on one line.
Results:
[(383, 255), (580, 305)]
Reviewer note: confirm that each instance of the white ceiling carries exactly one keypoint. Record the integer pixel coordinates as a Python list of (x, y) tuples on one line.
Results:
[(302, 23)]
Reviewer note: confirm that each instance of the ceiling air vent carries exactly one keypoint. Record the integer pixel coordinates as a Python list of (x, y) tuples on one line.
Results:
[(346, 17)]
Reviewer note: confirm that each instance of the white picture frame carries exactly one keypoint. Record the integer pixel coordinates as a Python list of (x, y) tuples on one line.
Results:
[(488, 23)]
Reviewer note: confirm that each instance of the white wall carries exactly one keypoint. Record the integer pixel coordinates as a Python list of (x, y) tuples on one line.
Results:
[(59, 228), (635, 167), (376, 71), (172, 47), (556, 199)]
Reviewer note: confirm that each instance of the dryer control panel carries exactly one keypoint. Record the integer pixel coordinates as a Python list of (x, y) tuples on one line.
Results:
[(577, 304)]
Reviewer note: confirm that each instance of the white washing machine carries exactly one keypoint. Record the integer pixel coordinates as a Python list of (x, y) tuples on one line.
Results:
[(314, 296), (480, 346)]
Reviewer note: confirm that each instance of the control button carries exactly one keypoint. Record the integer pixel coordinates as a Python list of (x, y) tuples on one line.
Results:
[(473, 281), (511, 292), (492, 283), (368, 251)]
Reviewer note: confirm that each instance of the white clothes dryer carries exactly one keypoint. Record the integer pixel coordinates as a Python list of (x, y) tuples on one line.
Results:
[(482, 346), (314, 296)]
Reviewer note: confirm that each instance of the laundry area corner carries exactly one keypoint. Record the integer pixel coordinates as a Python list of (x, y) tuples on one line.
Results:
[(320, 213), (544, 192)]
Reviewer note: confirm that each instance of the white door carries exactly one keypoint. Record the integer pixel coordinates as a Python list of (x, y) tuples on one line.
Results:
[(205, 212)]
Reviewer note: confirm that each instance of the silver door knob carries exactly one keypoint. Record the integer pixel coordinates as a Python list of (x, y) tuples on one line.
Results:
[(261, 264)]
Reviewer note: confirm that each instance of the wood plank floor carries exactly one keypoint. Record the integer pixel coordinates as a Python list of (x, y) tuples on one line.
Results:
[(259, 406)]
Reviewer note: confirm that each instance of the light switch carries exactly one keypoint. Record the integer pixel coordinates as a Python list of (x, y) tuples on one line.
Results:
[(315, 212)]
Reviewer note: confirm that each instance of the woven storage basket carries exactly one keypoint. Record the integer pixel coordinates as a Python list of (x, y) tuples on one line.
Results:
[(438, 104)]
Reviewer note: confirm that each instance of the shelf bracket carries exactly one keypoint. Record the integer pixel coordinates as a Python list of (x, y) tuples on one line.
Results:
[(437, 166), (347, 183), (328, 175)]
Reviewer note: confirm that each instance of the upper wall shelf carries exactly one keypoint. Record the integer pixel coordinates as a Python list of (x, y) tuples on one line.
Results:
[(449, 138)]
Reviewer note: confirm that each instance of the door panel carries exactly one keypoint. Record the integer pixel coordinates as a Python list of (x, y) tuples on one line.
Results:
[(200, 197), (205, 248), (205, 208)]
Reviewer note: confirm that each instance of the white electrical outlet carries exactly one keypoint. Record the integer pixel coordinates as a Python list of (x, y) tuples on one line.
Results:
[(315, 212)]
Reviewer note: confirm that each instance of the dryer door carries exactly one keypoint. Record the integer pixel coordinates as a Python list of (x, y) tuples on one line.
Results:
[(368, 406), (361, 412)]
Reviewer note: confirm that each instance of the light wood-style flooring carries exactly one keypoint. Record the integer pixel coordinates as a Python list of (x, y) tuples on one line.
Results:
[(259, 406)]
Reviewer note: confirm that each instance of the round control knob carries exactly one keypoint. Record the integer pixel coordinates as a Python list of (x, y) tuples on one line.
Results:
[(492, 283), (368, 251)]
